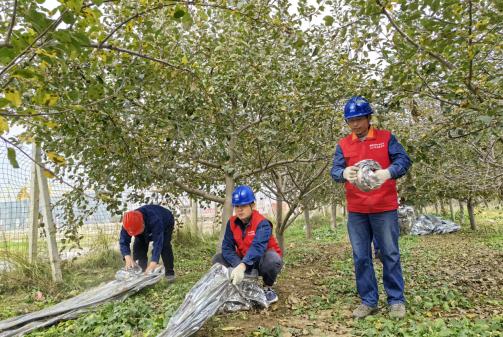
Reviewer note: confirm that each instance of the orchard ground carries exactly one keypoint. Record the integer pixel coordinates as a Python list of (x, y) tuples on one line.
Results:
[(453, 288)]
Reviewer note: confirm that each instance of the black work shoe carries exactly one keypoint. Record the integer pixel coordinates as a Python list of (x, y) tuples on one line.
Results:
[(270, 295), (170, 278)]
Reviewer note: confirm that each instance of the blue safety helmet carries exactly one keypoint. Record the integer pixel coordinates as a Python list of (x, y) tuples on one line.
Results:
[(242, 195), (357, 106)]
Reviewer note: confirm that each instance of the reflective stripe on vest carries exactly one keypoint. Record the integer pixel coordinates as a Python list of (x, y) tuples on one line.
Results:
[(375, 147), (243, 244)]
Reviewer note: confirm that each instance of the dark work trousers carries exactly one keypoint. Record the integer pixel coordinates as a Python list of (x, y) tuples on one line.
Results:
[(140, 249), (268, 267)]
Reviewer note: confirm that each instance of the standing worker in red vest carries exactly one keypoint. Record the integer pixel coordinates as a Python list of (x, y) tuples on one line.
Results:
[(372, 214), (249, 244)]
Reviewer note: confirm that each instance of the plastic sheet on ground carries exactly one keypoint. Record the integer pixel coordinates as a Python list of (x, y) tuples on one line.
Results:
[(406, 218), (366, 179), (213, 292), (430, 224), (126, 283)]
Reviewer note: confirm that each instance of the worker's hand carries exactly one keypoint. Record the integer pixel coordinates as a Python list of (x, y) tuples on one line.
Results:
[(350, 173), (129, 262), (238, 274), (151, 267), (382, 176)]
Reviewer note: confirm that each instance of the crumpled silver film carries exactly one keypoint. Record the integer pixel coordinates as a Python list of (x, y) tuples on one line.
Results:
[(248, 295), (430, 224), (213, 292), (124, 274), (73, 307), (406, 218), (366, 179)]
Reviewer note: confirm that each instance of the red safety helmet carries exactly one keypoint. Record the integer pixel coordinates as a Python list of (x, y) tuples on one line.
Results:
[(133, 223)]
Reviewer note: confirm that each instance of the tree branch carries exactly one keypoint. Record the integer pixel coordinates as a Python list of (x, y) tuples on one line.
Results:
[(202, 194), (11, 26), (13, 62), (270, 166), (208, 163), (437, 57), (246, 127), (470, 44), (131, 52), (100, 45)]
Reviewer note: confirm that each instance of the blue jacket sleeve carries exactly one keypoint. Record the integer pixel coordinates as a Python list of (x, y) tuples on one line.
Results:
[(400, 161), (229, 247), (157, 229), (259, 244), (124, 243), (338, 166)]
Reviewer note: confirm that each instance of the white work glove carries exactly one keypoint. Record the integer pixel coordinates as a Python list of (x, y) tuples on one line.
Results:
[(382, 176), (238, 274), (350, 173)]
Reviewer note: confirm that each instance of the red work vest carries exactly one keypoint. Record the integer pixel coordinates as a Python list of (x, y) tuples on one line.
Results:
[(243, 244), (375, 146)]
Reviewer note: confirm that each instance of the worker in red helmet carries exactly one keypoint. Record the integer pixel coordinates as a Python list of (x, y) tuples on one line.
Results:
[(148, 223)]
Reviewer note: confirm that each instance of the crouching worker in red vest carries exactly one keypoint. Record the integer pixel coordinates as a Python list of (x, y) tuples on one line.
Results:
[(249, 244)]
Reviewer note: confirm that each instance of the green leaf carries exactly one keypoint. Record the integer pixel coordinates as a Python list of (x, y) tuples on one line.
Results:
[(74, 5), (178, 13), (95, 91), (11, 155), (4, 126), (38, 20), (69, 18), (6, 54), (62, 36), (299, 42), (329, 20), (81, 38), (14, 97)]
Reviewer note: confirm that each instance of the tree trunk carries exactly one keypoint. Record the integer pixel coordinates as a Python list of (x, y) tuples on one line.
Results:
[(334, 214), (451, 209), (226, 209), (229, 188), (309, 230), (280, 237), (461, 212), (279, 211), (344, 211), (436, 208), (442, 207), (193, 217), (470, 206)]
